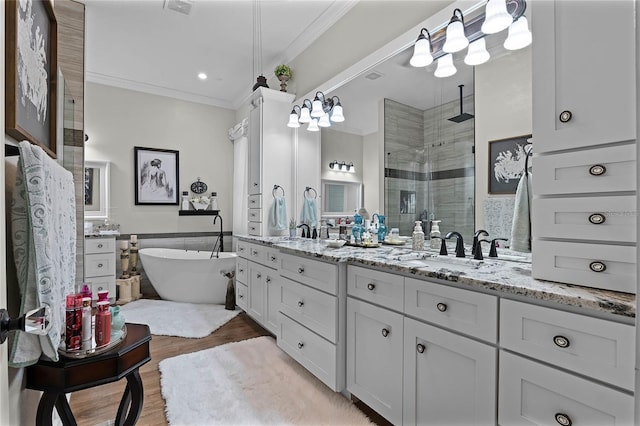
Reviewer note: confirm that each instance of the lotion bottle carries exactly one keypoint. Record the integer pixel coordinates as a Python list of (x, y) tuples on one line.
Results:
[(418, 237), (435, 236)]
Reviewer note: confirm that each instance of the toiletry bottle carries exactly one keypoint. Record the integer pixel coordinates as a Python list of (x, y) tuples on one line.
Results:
[(86, 322), (434, 236), (382, 228), (418, 236), (357, 229), (73, 328), (86, 291), (214, 201), (103, 324), (185, 200)]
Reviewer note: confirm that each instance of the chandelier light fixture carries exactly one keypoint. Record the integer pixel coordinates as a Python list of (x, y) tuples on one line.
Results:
[(342, 166), (460, 33), (320, 112)]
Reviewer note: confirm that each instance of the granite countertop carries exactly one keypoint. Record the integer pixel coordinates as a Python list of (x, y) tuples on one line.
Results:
[(508, 277)]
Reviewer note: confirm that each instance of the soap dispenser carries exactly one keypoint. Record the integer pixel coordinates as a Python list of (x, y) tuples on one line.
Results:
[(418, 236), (434, 235)]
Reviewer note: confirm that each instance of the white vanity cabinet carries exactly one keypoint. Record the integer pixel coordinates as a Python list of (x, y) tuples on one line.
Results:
[(584, 142), (312, 316), (270, 155), (100, 264), (258, 283), (544, 391)]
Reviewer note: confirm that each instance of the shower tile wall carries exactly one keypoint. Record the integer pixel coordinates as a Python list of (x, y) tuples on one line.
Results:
[(432, 156)]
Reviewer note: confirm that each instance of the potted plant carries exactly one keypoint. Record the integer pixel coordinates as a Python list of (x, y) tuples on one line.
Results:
[(292, 227), (283, 72)]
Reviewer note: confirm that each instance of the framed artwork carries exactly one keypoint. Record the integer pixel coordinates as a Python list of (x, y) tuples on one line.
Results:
[(31, 69), (156, 176), (407, 202), (506, 164), (88, 186)]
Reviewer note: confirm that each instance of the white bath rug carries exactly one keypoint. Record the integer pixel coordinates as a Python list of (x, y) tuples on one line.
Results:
[(177, 319), (252, 382)]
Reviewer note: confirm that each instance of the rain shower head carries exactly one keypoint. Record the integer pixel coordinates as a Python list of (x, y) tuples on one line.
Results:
[(463, 116)]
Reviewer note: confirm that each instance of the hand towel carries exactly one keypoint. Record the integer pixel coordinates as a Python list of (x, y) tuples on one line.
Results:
[(521, 227), (43, 220), (278, 215), (309, 214)]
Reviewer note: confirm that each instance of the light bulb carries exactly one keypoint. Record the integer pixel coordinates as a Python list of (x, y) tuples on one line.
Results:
[(519, 35), (496, 17), (477, 53), (445, 66)]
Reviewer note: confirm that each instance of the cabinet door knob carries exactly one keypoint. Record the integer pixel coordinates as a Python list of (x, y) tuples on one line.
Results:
[(255, 183), (597, 218), (385, 332), (300, 345), (100, 265), (597, 266), (371, 286), (300, 270), (561, 341), (258, 276), (565, 116), (563, 419), (273, 258), (268, 280), (252, 201), (441, 306), (300, 303), (100, 288), (100, 245), (597, 170), (241, 296), (240, 271), (240, 248), (420, 348), (254, 252)]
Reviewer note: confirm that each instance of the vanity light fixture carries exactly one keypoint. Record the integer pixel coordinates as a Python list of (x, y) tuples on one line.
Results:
[(202, 76), (342, 166), (456, 40), (463, 31), (319, 113)]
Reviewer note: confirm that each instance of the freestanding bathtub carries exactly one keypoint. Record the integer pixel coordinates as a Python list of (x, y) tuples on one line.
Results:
[(188, 275)]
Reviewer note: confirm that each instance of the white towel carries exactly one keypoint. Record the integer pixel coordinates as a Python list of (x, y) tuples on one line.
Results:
[(521, 227), (43, 220), (278, 215), (309, 214)]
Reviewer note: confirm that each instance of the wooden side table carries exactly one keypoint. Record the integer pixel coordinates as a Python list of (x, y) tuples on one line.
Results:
[(56, 379)]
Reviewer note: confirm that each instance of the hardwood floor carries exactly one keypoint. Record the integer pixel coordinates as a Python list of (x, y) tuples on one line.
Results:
[(98, 406)]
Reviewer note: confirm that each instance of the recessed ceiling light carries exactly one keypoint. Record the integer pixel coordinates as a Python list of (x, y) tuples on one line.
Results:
[(202, 76)]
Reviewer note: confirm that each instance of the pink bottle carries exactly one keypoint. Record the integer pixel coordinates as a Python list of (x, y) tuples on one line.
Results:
[(103, 324)]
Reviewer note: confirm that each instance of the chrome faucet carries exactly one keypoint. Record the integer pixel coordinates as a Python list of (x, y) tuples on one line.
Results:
[(219, 244), (459, 243)]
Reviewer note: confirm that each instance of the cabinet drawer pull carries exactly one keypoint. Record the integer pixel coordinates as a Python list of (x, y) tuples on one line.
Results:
[(252, 201), (255, 183), (240, 271), (100, 265), (597, 170), (597, 266), (385, 332), (441, 307), (563, 419), (565, 116), (268, 280), (420, 348), (100, 288), (371, 286), (241, 296), (300, 345), (561, 341), (300, 303), (254, 252), (100, 245), (597, 218), (258, 276), (240, 248), (300, 270), (273, 258)]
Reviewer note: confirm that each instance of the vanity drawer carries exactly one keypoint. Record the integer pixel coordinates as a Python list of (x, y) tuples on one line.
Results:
[(255, 215), (255, 201), (468, 312), (381, 288), (320, 275), (586, 218), (569, 173), (579, 263), (241, 295), (242, 248), (590, 346), (242, 270), (534, 394), (257, 253), (312, 351), (255, 229), (99, 245), (314, 309), (99, 265), (102, 283), (272, 258)]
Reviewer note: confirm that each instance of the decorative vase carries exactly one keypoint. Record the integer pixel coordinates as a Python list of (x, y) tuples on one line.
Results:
[(283, 82), (200, 206), (117, 319)]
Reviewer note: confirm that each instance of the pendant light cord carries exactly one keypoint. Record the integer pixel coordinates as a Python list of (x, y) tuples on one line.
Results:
[(257, 39)]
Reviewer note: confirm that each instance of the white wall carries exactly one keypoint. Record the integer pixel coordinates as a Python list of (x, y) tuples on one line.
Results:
[(503, 102), (117, 119)]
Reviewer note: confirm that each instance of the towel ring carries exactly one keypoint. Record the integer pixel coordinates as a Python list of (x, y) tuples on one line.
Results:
[(309, 189), (528, 153), (275, 188)]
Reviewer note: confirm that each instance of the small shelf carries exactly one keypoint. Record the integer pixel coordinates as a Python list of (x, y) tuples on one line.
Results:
[(198, 212)]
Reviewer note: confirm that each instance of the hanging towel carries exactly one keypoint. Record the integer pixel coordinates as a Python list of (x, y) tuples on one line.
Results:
[(278, 215), (43, 221), (521, 227), (309, 214)]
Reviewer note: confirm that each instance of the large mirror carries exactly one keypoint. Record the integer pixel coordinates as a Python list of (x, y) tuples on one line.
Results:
[(340, 198), (96, 189), (432, 136)]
